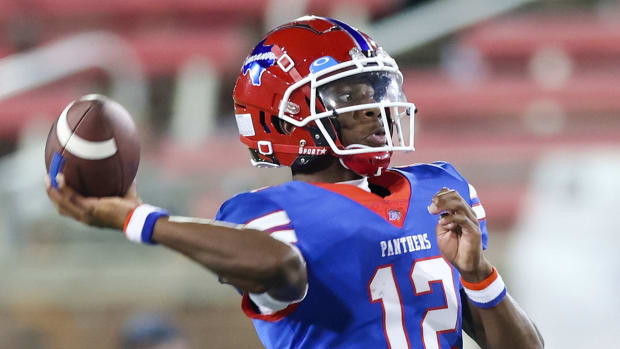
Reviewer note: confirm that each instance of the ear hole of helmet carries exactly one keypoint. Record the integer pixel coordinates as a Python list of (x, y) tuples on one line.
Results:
[(284, 127), (279, 125)]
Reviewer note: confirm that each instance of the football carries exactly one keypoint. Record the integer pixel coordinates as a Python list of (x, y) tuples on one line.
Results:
[(95, 144)]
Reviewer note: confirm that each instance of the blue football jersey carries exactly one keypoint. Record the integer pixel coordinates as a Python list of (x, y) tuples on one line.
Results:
[(375, 274)]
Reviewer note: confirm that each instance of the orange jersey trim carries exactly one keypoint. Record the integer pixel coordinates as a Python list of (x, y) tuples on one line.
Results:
[(397, 201)]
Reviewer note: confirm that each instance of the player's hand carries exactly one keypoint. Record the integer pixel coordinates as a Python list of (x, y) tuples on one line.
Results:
[(459, 236), (109, 212)]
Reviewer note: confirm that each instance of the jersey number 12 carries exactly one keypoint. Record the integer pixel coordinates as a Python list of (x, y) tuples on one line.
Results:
[(383, 288)]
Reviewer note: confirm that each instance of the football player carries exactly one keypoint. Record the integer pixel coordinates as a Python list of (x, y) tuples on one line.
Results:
[(351, 253)]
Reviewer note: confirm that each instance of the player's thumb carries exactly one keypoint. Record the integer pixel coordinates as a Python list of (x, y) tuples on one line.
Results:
[(132, 193)]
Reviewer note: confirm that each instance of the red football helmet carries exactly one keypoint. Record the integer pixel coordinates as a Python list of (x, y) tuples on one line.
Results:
[(293, 75)]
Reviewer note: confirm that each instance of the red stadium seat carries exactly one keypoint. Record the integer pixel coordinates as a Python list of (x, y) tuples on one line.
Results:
[(585, 37)]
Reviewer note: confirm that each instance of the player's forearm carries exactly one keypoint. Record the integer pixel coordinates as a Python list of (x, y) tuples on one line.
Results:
[(252, 258), (504, 325), (507, 326)]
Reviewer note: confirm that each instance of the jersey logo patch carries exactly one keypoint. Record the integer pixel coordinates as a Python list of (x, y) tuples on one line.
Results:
[(258, 61), (394, 215)]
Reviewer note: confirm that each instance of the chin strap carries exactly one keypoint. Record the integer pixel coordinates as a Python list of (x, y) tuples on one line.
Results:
[(366, 164)]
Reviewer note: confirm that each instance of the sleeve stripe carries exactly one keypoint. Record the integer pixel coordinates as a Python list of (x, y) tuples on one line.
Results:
[(287, 236), (473, 194), (280, 227), (475, 203), (277, 221), (268, 221), (479, 211)]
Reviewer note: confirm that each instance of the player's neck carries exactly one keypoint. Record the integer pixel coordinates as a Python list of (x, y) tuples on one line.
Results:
[(333, 174)]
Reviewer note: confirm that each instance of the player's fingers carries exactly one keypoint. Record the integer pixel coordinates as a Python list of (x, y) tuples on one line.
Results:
[(446, 223), (436, 206), (79, 207), (445, 202), (64, 212), (450, 201), (444, 190), (53, 194), (444, 197), (462, 220), (447, 227), (69, 199), (48, 182), (88, 207), (459, 205), (64, 206), (66, 191), (60, 204), (132, 193)]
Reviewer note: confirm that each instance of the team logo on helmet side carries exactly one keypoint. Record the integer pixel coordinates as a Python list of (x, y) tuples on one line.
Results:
[(258, 61)]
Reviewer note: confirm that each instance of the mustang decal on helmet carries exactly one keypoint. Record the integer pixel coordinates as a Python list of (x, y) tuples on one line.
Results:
[(260, 59)]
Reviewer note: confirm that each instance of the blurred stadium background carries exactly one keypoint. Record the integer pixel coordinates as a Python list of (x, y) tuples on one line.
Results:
[(522, 95)]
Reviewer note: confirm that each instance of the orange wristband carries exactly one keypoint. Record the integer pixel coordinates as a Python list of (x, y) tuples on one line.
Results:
[(477, 286), (487, 293)]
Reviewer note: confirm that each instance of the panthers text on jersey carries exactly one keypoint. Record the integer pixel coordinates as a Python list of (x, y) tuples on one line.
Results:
[(375, 274)]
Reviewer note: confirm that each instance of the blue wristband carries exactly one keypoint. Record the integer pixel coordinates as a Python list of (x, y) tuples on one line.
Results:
[(141, 222), (149, 225)]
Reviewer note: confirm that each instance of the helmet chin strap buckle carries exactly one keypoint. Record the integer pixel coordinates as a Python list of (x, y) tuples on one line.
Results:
[(366, 164)]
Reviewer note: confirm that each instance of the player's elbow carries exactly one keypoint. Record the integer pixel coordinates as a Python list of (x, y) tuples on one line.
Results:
[(294, 278), (284, 274)]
